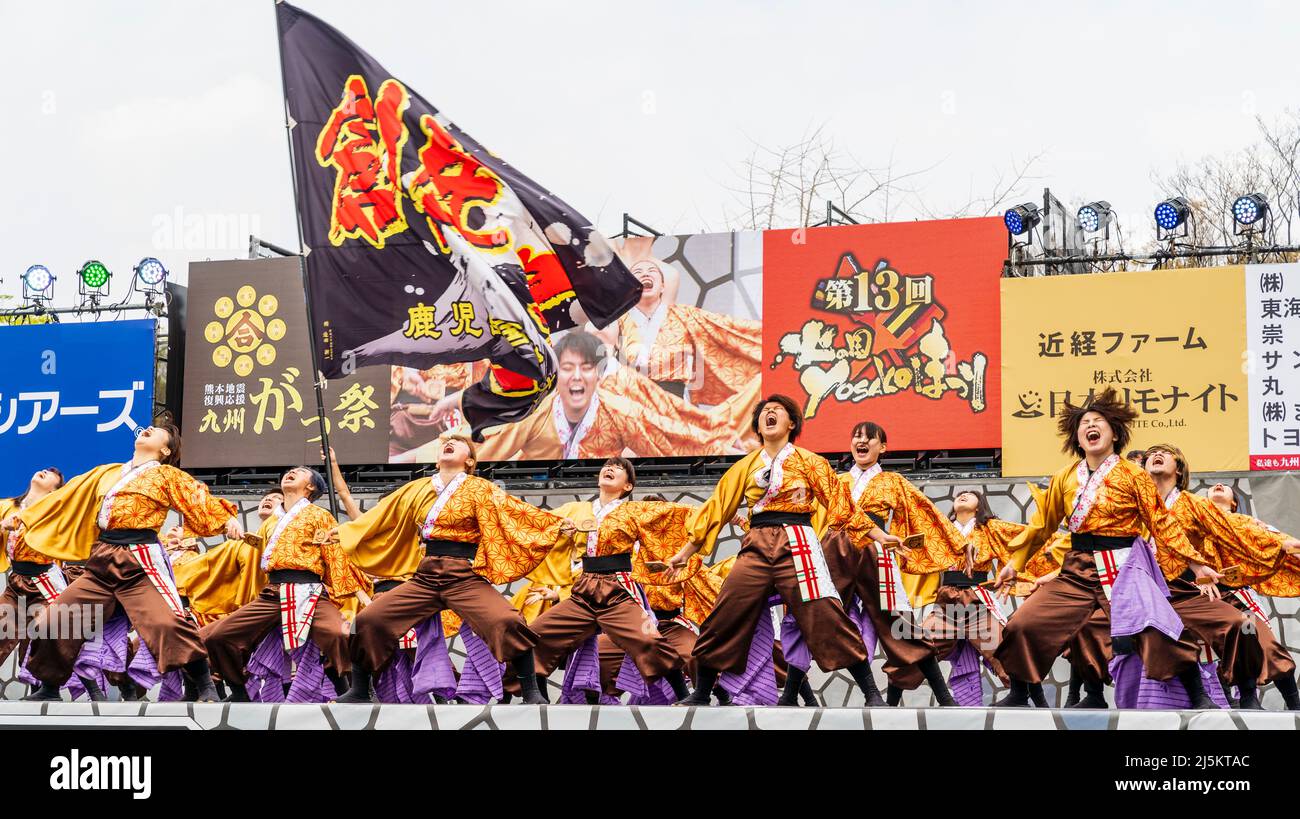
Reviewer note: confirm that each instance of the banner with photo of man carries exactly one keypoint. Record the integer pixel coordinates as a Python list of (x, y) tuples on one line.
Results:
[(677, 375)]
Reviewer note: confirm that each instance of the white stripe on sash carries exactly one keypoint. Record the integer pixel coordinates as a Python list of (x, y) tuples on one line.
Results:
[(128, 474), (280, 525), (444, 492)]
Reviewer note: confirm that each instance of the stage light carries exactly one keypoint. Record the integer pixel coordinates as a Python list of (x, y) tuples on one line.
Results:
[(94, 274), (150, 272), (1094, 216), (38, 278), (1249, 209), (1021, 218), (1172, 212)]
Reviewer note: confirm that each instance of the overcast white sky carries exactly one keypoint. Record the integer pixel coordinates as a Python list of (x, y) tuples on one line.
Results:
[(121, 117)]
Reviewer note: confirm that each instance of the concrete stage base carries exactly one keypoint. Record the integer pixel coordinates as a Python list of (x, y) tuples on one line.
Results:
[(259, 717)]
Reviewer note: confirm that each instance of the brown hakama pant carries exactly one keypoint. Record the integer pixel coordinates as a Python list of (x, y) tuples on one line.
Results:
[(1277, 661), (960, 614), (1219, 625), (902, 652), (233, 639), (763, 566), (439, 583), (114, 578), (1060, 610), (19, 590), (598, 601)]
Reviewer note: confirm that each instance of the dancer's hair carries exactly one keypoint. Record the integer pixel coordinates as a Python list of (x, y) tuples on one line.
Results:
[(791, 408), (1109, 406)]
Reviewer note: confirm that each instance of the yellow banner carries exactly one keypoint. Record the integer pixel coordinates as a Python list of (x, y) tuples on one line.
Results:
[(1171, 341)]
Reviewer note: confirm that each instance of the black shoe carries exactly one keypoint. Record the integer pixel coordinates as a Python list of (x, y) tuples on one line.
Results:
[(893, 695), (1285, 685), (221, 690), (930, 668), (677, 680), (592, 697), (1076, 687), (238, 693), (1249, 696), (48, 692), (1191, 680), (525, 669), (1017, 696), (807, 696), (359, 693), (1036, 695), (131, 693), (201, 673), (867, 684), (700, 696), (336, 679), (92, 689), (721, 695), (1096, 696), (794, 680)]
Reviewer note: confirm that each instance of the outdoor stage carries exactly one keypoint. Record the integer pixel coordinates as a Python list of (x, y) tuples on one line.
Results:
[(225, 716)]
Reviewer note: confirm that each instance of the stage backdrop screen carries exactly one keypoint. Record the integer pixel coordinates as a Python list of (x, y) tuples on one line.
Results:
[(72, 396)]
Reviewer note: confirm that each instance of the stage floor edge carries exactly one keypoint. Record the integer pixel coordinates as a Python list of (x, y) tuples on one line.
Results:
[(332, 717)]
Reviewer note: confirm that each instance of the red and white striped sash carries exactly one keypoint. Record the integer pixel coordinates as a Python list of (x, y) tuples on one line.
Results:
[(158, 569), (50, 583), (1109, 562), (634, 589), (810, 570), (893, 597), (1247, 597), (297, 608), (408, 640), (991, 603)]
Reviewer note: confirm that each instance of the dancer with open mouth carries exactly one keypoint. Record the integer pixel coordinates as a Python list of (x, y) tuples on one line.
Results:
[(1269, 566), (1229, 633), (110, 517), (307, 580), (893, 584), (1107, 501), (454, 535), (618, 544), (34, 579), (784, 486)]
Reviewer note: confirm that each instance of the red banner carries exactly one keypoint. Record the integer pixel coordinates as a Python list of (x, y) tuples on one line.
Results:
[(894, 323)]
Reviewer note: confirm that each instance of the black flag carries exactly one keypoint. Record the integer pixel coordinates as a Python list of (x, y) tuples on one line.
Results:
[(423, 248)]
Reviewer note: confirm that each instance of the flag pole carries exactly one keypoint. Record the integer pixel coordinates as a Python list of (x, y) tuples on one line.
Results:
[(317, 377)]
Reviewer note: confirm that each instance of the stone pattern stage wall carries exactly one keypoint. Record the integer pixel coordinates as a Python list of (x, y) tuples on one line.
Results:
[(1010, 500)]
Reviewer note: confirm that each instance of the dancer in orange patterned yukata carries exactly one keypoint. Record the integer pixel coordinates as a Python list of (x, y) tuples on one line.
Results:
[(110, 516), (454, 535)]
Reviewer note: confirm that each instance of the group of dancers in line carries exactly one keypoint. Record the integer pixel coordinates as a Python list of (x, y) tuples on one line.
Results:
[(1137, 581)]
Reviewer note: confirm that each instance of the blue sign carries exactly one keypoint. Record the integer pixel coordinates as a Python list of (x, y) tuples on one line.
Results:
[(72, 396)]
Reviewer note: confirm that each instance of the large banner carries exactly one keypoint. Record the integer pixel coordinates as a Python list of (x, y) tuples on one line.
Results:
[(72, 396), (1273, 364), (1170, 341), (895, 323), (249, 396), (423, 247)]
